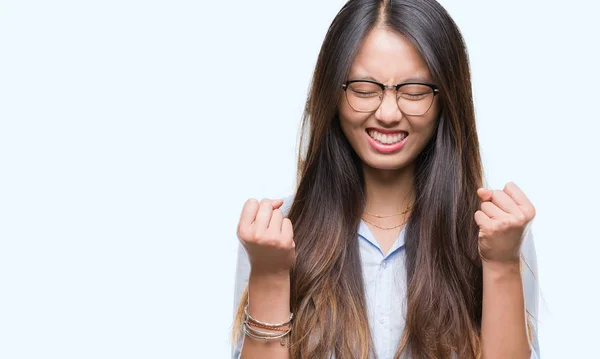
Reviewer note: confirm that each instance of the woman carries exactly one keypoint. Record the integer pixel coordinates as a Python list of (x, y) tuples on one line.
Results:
[(389, 246)]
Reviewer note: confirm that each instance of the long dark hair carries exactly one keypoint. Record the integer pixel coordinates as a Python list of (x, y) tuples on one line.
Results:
[(443, 267)]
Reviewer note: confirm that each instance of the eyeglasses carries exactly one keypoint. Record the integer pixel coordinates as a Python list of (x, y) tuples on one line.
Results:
[(413, 98)]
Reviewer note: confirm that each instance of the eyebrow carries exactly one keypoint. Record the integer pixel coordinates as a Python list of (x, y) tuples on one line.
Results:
[(410, 79)]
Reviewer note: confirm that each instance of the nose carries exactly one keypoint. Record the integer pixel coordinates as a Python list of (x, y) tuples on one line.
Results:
[(388, 111)]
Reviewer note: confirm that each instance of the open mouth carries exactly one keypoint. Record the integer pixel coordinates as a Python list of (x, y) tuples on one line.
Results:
[(387, 138)]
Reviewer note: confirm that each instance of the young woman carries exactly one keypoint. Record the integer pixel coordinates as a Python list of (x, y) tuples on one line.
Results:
[(389, 247)]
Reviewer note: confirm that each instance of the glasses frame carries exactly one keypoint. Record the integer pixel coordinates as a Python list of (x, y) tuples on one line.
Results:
[(397, 87)]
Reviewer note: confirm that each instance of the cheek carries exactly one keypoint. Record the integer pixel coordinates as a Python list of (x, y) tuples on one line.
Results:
[(427, 124), (424, 128), (352, 130), (343, 107), (350, 119)]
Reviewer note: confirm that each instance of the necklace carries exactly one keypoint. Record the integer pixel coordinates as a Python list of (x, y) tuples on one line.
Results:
[(380, 227), (390, 215), (387, 216)]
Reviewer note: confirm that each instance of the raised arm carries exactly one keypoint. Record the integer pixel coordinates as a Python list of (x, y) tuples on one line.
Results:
[(503, 221), (265, 256)]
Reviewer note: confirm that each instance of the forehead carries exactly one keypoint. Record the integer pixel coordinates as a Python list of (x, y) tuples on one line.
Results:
[(388, 57)]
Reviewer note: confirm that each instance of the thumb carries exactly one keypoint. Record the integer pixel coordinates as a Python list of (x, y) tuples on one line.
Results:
[(485, 194), (276, 203)]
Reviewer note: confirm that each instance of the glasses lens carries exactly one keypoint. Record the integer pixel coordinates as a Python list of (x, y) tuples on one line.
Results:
[(415, 99), (363, 96)]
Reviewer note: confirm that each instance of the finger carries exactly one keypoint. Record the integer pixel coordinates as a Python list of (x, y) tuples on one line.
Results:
[(276, 203), (517, 195), (287, 230), (276, 220), (249, 212), (482, 219), (263, 217), (484, 194), (492, 211), (505, 202)]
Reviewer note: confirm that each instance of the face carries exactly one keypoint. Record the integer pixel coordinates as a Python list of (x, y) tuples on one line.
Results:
[(390, 59)]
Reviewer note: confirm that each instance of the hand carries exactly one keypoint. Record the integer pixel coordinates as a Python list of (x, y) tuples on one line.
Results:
[(267, 236), (502, 220)]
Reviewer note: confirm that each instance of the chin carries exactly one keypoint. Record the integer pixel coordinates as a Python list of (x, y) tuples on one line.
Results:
[(389, 164)]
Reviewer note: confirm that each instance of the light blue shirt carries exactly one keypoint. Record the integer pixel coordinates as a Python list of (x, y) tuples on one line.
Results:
[(385, 283)]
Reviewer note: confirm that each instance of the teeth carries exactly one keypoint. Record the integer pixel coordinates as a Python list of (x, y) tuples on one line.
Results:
[(385, 138)]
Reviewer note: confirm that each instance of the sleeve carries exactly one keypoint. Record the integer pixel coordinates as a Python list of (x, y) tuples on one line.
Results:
[(242, 273), (531, 288)]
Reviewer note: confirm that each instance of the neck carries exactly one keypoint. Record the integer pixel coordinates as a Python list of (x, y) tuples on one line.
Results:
[(389, 191)]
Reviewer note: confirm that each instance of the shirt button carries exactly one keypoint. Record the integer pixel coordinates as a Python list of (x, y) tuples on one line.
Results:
[(383, 264), (381, 320)]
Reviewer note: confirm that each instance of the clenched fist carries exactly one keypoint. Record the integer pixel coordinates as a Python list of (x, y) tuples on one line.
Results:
[(502, 220), (267, 236)]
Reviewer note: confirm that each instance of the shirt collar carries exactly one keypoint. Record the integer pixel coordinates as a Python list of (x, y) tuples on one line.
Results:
[(365, 232)]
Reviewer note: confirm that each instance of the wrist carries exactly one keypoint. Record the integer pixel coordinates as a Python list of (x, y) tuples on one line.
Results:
[(268, 281), (269, 296), (502, 269), (267, 274)]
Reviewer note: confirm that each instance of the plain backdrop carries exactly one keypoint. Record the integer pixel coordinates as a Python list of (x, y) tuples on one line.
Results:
[(132, 132)]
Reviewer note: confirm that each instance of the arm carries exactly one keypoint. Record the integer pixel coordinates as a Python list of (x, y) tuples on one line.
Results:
[(504, 238), (268, 294), (269, 298), (509, 301)]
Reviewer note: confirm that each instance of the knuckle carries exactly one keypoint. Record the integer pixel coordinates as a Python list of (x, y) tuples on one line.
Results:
[(496, 227), (244, 232), (241, 232), (288, 243), (258, 236), (250, 203), (497, 192), (277, 236), (521, 218), (532, 212), (267, 238), (251, 200), (505, 222), (272, 241), (265, 201)]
